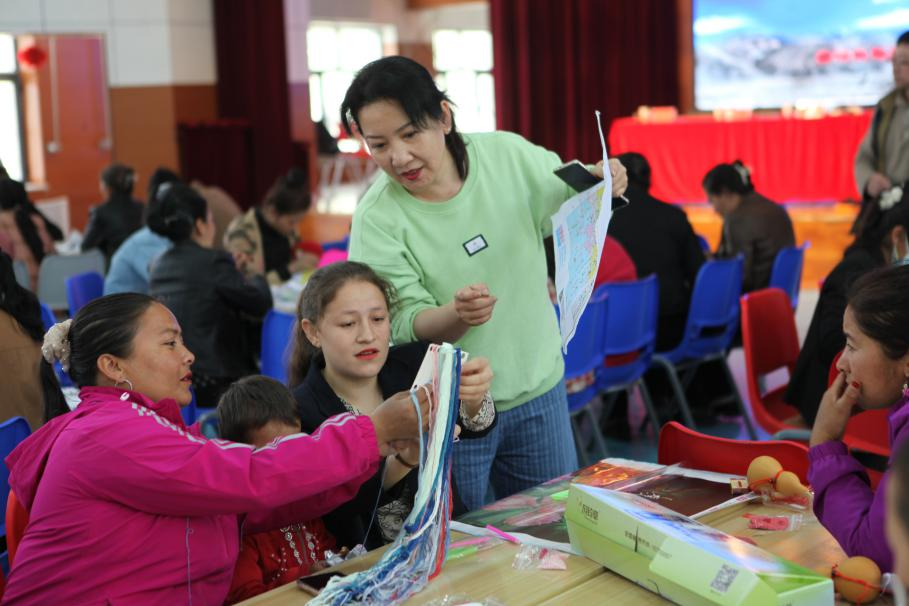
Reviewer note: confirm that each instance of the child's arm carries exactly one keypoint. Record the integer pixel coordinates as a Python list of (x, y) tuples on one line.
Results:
[(249, 574)]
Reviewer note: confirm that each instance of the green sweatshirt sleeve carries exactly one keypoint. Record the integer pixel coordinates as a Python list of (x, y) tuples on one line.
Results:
[(551, 190), (389, 257)]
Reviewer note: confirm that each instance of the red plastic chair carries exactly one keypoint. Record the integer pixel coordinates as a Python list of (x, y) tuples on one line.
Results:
[(678, 444), (770, 341), (16, 521)]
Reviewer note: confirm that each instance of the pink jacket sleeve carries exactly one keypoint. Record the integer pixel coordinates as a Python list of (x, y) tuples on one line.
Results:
[(154, 466)]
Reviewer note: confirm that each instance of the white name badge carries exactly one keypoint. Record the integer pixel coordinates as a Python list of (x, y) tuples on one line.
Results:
[(475, 245)]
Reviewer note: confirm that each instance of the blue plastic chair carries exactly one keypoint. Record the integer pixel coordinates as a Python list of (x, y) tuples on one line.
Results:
[(584, 357), (704, 244), (713, 320), (49, 319), (277, 329), (82, 288), (12, 432), (787, 271), (189, 412), (630, 327), (341, 244)]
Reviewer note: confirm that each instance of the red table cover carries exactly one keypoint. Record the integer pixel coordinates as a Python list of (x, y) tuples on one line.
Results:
[(790, 158)]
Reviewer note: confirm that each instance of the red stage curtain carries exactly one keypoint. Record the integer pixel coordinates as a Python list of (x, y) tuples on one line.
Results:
[(557, 62), (791, 159), (252, 83)]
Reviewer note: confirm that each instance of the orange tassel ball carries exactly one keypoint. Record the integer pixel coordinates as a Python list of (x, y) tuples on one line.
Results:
[(766, 473), (857, 579)]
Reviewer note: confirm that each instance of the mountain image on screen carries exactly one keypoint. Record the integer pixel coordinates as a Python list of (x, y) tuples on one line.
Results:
[(777, 53)]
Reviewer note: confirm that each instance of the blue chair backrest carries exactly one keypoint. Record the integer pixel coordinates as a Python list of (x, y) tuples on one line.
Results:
[(630, 327), (48, 317), (342, 244), (704, 244), (787, 271), (277, 329), (713, 316), (83, 288), (189, 411), (585, 350), (55, 269), (12, 432)]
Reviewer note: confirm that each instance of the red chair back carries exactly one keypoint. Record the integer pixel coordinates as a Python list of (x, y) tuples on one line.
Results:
[(770, 341), (16, 521), (679, 444)]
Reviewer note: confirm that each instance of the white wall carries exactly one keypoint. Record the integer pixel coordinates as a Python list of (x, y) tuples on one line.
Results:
[(149, 42)]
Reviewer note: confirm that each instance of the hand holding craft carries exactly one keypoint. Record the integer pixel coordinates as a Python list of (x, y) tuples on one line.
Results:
[(396, 418), (476, 379)]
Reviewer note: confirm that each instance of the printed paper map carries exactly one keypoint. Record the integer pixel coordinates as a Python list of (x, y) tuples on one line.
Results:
[(578, 233)]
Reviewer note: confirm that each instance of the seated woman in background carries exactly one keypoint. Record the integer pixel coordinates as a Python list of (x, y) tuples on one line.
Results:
[(898, 523), (873, 374), (131, 264), (21, 364), (265, 238), (881, 240), (342, 362), (753, 225), (128, 505), (111, 222), (219, 307), (258, 410), (29, 232)]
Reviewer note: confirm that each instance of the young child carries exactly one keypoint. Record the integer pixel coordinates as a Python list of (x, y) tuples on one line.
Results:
[(256, 410)]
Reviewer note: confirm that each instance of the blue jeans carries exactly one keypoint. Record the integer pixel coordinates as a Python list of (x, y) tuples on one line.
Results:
[(530, 444)]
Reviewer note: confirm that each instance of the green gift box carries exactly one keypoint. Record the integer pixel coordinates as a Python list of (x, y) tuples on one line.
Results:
[(681, 559)]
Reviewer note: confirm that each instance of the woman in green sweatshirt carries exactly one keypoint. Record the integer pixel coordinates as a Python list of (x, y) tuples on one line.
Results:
[(456, 224)]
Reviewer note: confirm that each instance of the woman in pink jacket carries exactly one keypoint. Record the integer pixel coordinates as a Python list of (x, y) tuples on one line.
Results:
[(129, 506)]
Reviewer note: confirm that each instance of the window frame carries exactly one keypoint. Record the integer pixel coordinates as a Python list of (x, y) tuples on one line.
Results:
[(16, 79)]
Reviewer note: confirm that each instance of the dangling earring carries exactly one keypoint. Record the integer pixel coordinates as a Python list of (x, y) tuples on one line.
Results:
[(906, 389), (127, 381)]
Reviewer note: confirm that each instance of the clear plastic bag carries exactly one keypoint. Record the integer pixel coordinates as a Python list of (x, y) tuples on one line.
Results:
[(799, 503), (461, 600), (775, 523), (333, 558), (527, 558)]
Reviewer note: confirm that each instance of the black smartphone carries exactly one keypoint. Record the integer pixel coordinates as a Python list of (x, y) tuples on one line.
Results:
[(580, 179), (577, 176), (314, 583)]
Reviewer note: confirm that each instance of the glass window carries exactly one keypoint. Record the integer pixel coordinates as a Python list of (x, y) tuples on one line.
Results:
[(463, 60), (336, 51), (7, 54), (10, 142), (10, 120)]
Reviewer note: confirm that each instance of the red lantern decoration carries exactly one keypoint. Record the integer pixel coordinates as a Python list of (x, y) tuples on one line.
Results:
[(32, 56)]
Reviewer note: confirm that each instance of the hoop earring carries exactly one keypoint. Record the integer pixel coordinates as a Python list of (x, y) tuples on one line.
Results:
[(906, 388), (127, 381)]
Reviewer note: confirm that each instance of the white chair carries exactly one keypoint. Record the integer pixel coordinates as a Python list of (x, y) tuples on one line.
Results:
[(21, 272), (55, 269)]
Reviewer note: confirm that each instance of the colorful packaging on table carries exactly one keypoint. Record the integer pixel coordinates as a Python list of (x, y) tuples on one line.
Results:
[(681, 559)]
